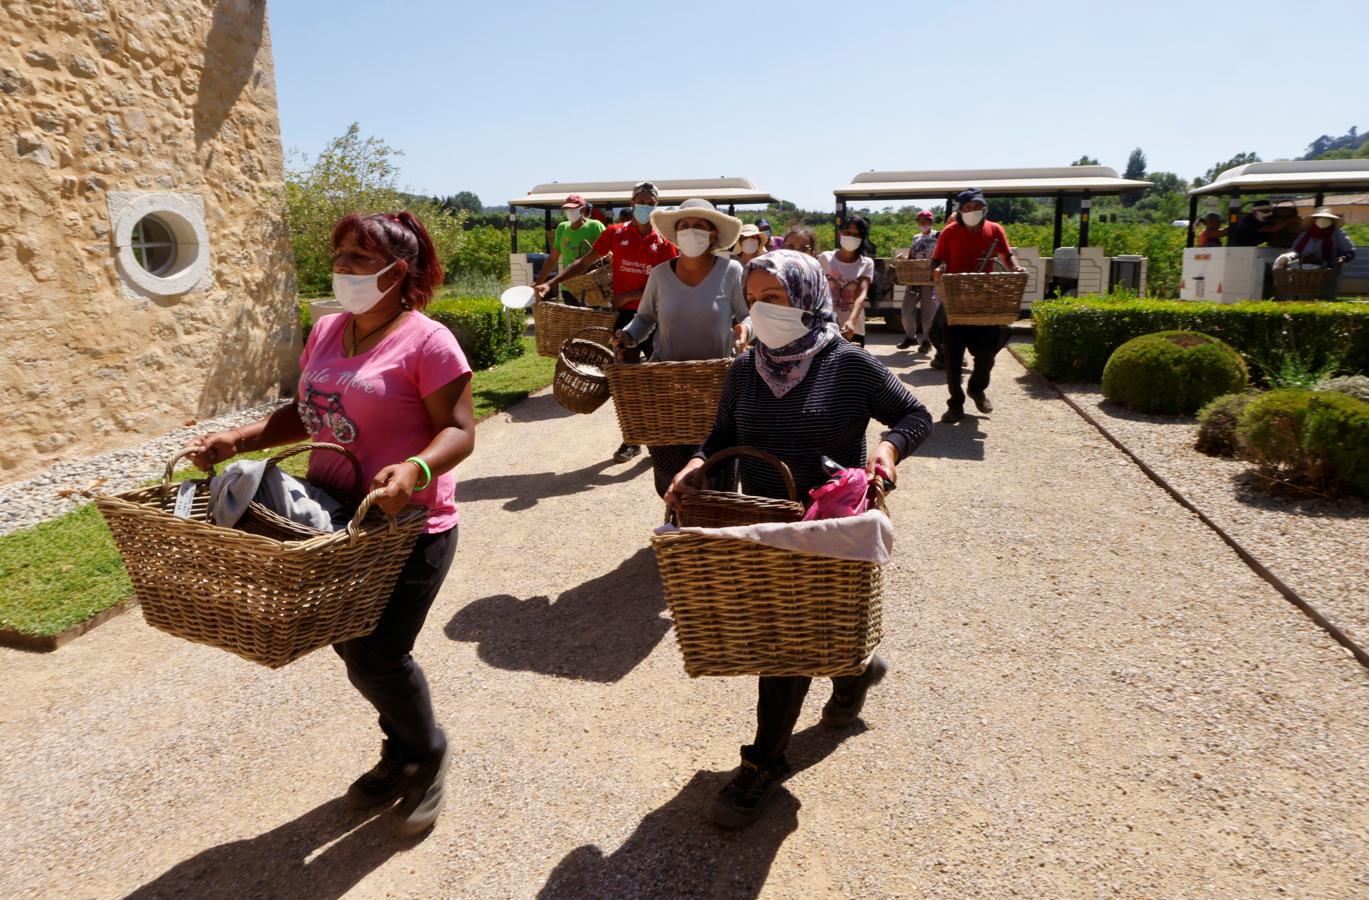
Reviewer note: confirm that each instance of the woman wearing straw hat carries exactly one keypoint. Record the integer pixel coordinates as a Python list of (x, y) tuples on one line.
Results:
[(801, 393), (692, 306), (750, 244)]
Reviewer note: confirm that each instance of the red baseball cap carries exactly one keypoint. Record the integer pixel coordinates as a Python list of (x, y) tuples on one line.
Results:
[(574, 201), (925, 214)]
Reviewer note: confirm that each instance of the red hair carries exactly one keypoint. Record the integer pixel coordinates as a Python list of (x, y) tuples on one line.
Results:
[(397, 236)]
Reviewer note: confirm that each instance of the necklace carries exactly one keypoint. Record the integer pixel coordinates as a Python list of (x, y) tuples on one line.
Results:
[(356, 341)]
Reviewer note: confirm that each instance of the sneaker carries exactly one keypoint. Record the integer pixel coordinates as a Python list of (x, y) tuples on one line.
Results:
[(842, 710), (383, 784), (953, 414), (924, 346), (937, 362), (626, 452), (744, 798), (905, 343), (424, 794), (982, 403)]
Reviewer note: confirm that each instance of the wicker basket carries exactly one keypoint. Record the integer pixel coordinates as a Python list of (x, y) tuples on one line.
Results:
[(982, 298), (912, 271), (595, 287), (554, 323), (1303, 284), (723, 509), (267, 599), (580, 384), (742, 608), (665, 403)]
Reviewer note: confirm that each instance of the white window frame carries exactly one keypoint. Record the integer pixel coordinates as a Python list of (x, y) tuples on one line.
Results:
[(182, 215)]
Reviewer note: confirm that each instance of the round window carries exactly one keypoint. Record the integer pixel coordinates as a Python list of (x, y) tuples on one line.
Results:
[(154, 245)]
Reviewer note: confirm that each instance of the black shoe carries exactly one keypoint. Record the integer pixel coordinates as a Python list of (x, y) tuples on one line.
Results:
[(626, 452), (953, 414), (937, 362), (424, 794), (745, 797), (383, 784), (924, 346), (905, 343), (982, 403), (843, 709)]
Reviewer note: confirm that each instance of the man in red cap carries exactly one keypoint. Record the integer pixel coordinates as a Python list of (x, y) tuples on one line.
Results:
[(574, 238)]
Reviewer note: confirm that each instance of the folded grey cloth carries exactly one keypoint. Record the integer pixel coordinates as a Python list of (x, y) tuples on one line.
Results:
[(299, 501)]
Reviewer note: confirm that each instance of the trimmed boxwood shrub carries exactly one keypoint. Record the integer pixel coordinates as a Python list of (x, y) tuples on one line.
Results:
[(1271, 429), (1316, 436), (1217, 423), (1076, 336), (1172, 372), (1336, 433), (488, 332)]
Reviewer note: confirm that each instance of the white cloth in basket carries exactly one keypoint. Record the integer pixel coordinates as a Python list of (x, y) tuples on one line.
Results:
[(868, 537), (280, 492)]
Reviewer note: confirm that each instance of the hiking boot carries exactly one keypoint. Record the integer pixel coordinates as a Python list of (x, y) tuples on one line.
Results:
[(843, 709), (383, 784), (953, 414), (937, 362), (982, 403), (745, 797), (423, 794), (626, 452), (924, 346), (905, 343)]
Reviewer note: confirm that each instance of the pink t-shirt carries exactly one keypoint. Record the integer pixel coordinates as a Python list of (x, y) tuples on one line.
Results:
[(372, 404)]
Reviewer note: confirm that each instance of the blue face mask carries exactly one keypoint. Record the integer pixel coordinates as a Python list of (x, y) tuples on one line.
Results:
[(642, 213)]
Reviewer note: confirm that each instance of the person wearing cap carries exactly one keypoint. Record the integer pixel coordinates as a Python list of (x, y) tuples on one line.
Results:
[(573, 239), (920, 303), (1253, 228), (966, 245), (692, 307), (1213, 232), (751, 243), (637, 248), (771, 242)]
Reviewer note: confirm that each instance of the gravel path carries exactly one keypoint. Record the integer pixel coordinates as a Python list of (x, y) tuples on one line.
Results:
[(1317, 546), (1089, 695), (56, 491)]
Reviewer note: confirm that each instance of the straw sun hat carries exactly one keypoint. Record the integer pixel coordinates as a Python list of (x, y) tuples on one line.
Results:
[(729, 227), (1325, 212)]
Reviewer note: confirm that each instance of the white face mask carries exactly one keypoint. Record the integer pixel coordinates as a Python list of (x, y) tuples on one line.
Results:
[(693, 241), (750, 245), (1323, 222), (777, 326), (972, 218), (851, 243), (1262, 215), (573, 215), (925, 229), (359, 294)]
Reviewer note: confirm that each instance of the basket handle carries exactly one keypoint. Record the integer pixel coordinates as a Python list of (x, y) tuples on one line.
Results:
[(305, 448), (354, 526), (755, 453), (171, 468), (591, 329)]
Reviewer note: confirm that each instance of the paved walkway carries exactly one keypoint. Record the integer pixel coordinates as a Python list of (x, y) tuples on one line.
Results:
[(1089, 694)]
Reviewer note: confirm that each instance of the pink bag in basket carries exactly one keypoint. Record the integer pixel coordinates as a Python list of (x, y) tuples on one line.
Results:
[(846, 494)]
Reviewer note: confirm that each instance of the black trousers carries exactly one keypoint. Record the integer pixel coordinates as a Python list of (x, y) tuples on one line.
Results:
[(380, 666), (777, 709), (668, 460), (983, 342)]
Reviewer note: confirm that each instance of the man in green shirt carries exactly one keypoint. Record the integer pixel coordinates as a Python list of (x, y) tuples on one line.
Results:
[(573, 239)]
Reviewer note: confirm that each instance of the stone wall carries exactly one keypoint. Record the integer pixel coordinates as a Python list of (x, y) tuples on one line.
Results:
[(112, 97)]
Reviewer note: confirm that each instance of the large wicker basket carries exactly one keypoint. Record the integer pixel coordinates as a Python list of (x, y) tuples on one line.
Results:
[(595, 287), (1303, 284), (267, 599), (724, 509), (982, 298), (554, 323), (743, 608), (580, 384), (912, 271), (665, 403)]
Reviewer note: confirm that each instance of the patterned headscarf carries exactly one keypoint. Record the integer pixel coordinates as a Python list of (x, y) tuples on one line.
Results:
[(806, 284)]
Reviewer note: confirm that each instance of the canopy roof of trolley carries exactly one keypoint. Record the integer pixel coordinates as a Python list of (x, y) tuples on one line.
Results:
[(718, 191), (1045, 182), (1318, 175)]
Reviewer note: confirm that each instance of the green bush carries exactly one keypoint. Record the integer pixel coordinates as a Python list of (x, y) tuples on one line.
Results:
[(1217, 423), (1356, 386), (488, 333), (1076, 336), (1321, 437), (1336, 434), (1271, 428), (1172, 372)]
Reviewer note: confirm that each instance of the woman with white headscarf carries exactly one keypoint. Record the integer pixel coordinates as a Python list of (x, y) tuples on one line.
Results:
[(801, 393)]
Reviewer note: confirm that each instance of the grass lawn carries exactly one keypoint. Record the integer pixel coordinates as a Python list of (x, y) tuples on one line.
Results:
[(60, 573), (1026, 350)]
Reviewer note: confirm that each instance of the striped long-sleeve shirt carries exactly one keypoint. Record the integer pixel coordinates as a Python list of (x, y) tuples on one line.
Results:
[(826, 414)]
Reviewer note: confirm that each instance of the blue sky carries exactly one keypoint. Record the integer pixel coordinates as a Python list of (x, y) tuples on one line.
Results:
[(798, 96)]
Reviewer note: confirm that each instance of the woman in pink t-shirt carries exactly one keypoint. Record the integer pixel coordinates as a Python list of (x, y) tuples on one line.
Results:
[(393, 387)]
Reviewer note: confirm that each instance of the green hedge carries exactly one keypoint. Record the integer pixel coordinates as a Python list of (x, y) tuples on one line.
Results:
[(1172, 372), (488, 333), (1075, 336), (1316, 436)]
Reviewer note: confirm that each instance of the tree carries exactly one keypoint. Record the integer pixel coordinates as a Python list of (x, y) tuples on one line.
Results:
[(1239, 159), (1136, 171), (462, 200), (352, 174), (1085, 160)]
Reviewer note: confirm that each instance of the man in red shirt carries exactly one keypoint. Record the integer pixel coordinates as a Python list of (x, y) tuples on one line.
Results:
[(637, 248), (966, 245)]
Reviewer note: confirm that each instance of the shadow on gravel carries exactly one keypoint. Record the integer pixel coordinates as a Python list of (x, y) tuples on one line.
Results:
[(676, 852), (523, 491), (282, 862), (539, 409), (1036, 386), (598, 631), (963, 440), (1254, 491)]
